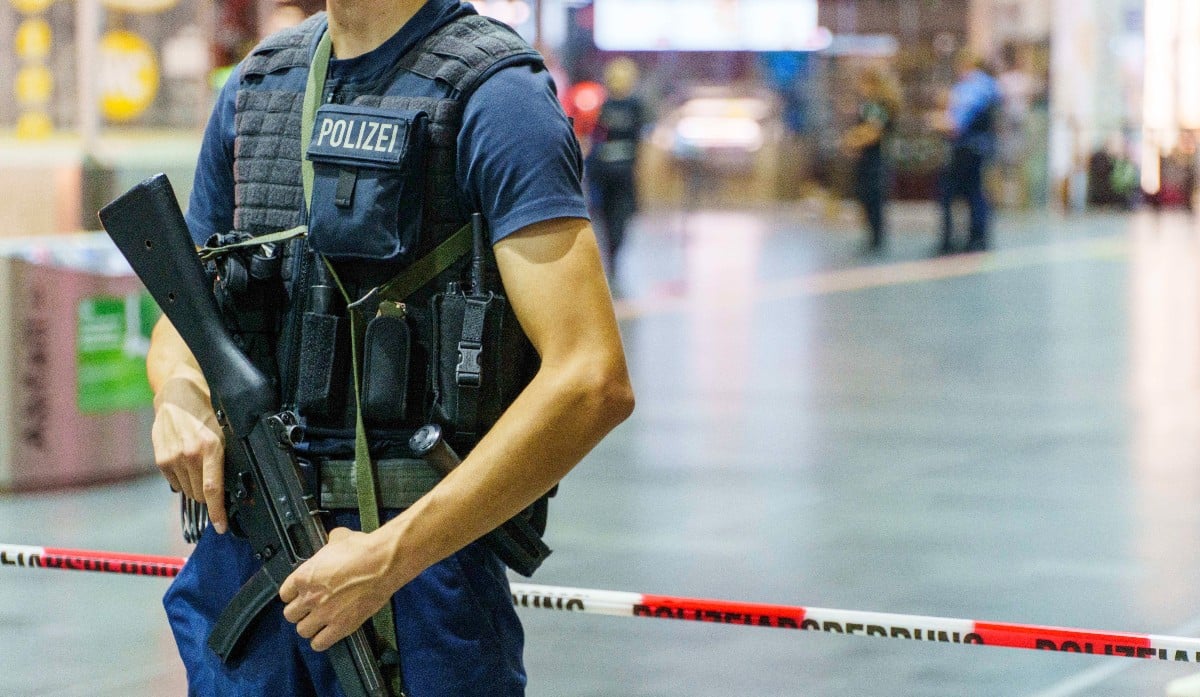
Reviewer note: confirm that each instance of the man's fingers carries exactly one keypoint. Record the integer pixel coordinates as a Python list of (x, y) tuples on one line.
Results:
[(163, 461), (292, 612), (180, 444), (172, 480), (309, 626), (327, 637), (213, 489), (195, 486), (288, 592)]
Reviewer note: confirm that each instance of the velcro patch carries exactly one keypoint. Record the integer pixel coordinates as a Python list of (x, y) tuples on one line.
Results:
[(362, 134)]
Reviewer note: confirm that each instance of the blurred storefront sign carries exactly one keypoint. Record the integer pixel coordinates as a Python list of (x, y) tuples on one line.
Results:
[(95, 95), (73, 392), (31, 7), (77, 66), (33, 40), (112, 336), (512, 12), (128, 75), (708, 25), (33, 85), (138, 6)]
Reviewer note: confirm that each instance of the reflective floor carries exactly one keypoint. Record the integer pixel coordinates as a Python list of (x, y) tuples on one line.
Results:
[(1012, 436)]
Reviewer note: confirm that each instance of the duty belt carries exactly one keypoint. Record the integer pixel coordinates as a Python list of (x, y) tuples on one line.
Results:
[(401, 482)]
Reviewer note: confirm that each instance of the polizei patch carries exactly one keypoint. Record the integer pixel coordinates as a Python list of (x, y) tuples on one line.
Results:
[(362, 135)]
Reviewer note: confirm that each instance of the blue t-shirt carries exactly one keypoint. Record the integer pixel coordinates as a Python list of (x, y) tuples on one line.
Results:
[(518, 160), (971, 100)]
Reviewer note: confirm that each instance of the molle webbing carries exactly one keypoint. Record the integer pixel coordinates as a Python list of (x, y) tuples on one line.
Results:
[(267, 192), (459, 55)]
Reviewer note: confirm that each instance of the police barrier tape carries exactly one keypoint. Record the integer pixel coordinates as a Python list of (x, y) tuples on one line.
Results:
[(625, 604)]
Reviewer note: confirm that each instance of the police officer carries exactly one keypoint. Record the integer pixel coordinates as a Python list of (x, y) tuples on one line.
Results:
[(435, 113), (968, 125), (612, 160)]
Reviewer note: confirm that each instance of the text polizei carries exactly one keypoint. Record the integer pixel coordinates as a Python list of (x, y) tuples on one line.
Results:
[(358, 134)]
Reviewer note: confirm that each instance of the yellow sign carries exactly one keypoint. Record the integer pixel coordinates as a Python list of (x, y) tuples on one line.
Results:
[(143, 6), (128, 75), (34, 125), (34, 84), (33, 39), (31, 7)]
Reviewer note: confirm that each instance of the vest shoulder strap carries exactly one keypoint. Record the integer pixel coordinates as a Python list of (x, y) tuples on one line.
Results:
[(463, 53), (288, 48)]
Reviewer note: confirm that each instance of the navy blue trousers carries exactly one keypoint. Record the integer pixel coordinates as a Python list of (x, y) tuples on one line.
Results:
[(458, 633), (963, 178), (870, 188)]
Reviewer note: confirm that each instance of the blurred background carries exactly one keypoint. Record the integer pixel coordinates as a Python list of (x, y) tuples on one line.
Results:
[(1097, 87), (1012, 435), (1103, 89)]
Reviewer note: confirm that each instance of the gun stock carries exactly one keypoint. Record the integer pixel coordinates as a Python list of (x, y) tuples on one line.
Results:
[(148, 227)]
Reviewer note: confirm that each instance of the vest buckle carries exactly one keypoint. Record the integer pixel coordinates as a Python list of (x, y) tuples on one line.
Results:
[(467, 372)]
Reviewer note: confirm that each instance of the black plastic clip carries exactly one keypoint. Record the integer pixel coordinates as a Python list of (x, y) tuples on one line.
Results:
[(467, 372)]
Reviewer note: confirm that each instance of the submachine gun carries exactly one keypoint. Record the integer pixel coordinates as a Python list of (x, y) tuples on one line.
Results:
[(265, 497)]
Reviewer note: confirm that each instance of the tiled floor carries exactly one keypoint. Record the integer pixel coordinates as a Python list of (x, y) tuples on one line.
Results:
[(1012, 436)]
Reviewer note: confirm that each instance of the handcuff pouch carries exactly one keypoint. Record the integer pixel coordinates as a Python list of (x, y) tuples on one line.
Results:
[(387, 351)]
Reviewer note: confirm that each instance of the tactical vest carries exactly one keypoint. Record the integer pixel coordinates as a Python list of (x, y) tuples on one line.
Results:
[(436, 77), (454, 60)]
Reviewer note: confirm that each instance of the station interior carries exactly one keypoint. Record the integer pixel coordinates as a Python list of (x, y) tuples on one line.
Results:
[(1008, 433)]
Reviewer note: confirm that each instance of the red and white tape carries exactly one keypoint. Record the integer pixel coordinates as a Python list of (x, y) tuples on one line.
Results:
[(26, 556), (625, 604)]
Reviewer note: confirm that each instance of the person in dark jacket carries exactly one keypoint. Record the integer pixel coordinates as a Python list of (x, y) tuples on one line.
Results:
[(612, 162), (879, 101)]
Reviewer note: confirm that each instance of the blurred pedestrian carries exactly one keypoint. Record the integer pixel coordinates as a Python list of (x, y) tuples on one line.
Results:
[(969, 125), (878, 103), (612, 161), (1019, 87)]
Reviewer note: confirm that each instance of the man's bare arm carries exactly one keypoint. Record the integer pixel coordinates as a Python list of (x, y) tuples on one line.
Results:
[(556, 285), (188, 444)]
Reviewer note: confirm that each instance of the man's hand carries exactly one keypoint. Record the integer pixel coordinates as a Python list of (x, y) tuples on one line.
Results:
[(189, 446), (338, 589), (940, 122)]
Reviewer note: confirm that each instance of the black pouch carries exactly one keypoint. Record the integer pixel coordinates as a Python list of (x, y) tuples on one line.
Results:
[(483, 360), (387, 357), (367, 194), (321, 374)]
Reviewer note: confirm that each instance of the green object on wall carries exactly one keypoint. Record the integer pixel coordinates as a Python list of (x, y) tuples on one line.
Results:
[(112, 335)]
